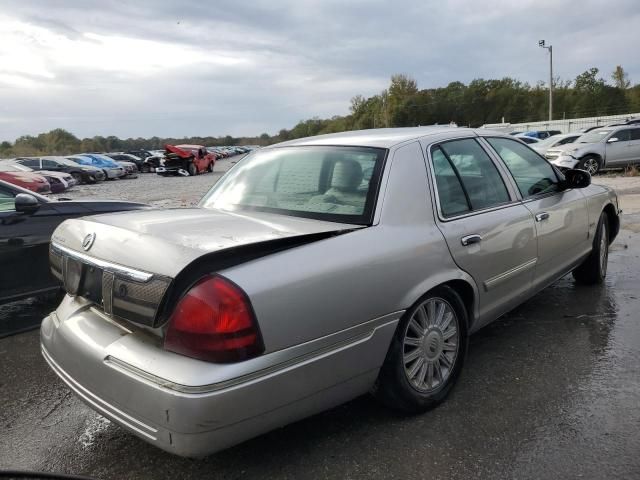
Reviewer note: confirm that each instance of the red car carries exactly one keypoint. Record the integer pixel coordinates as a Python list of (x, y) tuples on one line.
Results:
[(30, 181), (186, 160)]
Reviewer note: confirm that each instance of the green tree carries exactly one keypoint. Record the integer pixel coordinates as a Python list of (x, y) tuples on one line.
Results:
[(620, 78)]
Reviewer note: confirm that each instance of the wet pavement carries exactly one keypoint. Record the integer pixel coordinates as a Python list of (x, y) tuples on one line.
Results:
[(552, 390)]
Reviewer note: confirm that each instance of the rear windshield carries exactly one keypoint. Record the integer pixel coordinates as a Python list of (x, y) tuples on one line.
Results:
[(338, 184)]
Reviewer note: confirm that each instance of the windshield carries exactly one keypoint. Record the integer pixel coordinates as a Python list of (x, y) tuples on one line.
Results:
[(18, 167), (549, 142), (11, 167), (337, 184), (594, 135)]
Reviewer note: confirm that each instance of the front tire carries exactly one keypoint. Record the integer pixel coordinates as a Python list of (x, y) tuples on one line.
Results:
[(426, 354), (590, 164), (594, 269), (193, 171)]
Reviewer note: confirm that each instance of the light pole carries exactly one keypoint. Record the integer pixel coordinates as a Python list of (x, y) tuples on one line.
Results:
[(541, 43)]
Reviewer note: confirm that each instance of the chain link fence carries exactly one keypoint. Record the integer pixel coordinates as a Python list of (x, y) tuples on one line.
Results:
[(565, 126)]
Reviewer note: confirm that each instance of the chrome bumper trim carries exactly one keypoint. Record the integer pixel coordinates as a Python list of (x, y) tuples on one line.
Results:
[(126, 272), (264, 373)]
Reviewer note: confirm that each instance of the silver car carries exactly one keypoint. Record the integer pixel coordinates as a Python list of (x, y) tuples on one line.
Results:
[(314, 271), (599, 149)]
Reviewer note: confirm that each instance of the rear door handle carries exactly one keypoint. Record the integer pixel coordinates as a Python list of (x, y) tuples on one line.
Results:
[(469, 239), (542, 216)]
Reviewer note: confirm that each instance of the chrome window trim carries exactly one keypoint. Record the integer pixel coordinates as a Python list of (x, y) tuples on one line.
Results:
[(120, 270), (435, 198)]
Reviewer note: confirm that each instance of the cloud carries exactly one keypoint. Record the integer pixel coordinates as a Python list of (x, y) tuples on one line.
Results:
[(168, 68)]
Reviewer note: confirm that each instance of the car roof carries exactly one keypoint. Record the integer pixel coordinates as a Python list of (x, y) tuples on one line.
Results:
[(381, 137), (189, 146)]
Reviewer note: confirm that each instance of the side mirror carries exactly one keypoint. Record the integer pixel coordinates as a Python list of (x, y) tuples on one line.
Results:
[(612, 140), (26, 203), (574, 178)]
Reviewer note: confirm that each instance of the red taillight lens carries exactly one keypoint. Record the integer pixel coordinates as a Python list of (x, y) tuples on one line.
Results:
[(214, 321)]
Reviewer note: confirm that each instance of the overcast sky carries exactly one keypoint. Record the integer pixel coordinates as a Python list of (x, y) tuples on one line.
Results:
[(181, 68)]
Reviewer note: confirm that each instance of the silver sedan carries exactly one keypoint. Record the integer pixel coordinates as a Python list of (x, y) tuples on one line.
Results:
[(315, 271)]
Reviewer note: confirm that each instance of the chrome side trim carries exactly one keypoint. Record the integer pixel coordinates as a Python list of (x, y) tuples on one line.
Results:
[(503, 277), (97, 403), (139, 374), (120, 270)]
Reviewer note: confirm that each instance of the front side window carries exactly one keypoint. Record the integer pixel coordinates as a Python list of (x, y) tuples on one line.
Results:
[(7, 201), (622, 135), (533, 174), (466, 177), (337, 184), (49, 164)]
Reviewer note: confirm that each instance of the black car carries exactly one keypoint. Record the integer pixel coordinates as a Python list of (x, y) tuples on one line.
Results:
[(27, 221), (82, 173), (127, 157)]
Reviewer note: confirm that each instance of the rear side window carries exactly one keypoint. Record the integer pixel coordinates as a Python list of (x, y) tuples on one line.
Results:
[(635, 134), (466, 177), (533, 174), (453, 200)]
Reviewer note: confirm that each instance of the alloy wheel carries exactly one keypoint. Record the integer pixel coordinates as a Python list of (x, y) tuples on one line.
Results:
[(591, 165), (604, 248), (431, 345)]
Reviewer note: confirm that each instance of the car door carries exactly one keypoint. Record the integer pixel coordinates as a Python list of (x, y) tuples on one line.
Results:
[(634, 145), (561, 216), (24, 247), (617, 148), (490, 234)]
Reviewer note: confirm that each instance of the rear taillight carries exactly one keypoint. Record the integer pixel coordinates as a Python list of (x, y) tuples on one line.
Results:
[(214, 321)]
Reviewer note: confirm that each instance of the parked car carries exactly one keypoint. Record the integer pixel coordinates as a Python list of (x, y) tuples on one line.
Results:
[(129, 158), (29, 180), (315, 271), (542, 134), (140, 153), (527, 139), (27, 221), (58, 182), (553, 142), (600, 149), (81, 173), (628, 121), (130, 169), (186, 160), (110, 168)]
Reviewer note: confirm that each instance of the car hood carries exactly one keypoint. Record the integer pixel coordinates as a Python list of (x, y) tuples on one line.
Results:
[(24, 177), (165, 241), (48, 173), (573, 148)]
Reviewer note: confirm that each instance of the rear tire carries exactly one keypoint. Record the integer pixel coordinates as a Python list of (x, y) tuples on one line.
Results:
[(594, 269), (415, 377), (145, 168), (210, 167), (590, 163)]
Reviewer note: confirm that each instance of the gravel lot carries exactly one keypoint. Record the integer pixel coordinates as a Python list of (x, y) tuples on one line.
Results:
[(154, 189)]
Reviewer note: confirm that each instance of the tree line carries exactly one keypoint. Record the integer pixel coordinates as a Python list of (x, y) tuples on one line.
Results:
[(402, 104)]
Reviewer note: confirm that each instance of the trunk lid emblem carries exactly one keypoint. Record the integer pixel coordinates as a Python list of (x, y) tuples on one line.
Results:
[(88, 241)]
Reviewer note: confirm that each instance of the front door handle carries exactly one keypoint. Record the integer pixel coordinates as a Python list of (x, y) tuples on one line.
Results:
[(469, 239), (542, 216)]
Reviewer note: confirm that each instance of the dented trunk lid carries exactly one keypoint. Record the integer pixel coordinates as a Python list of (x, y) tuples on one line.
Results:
[(163, 242)]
